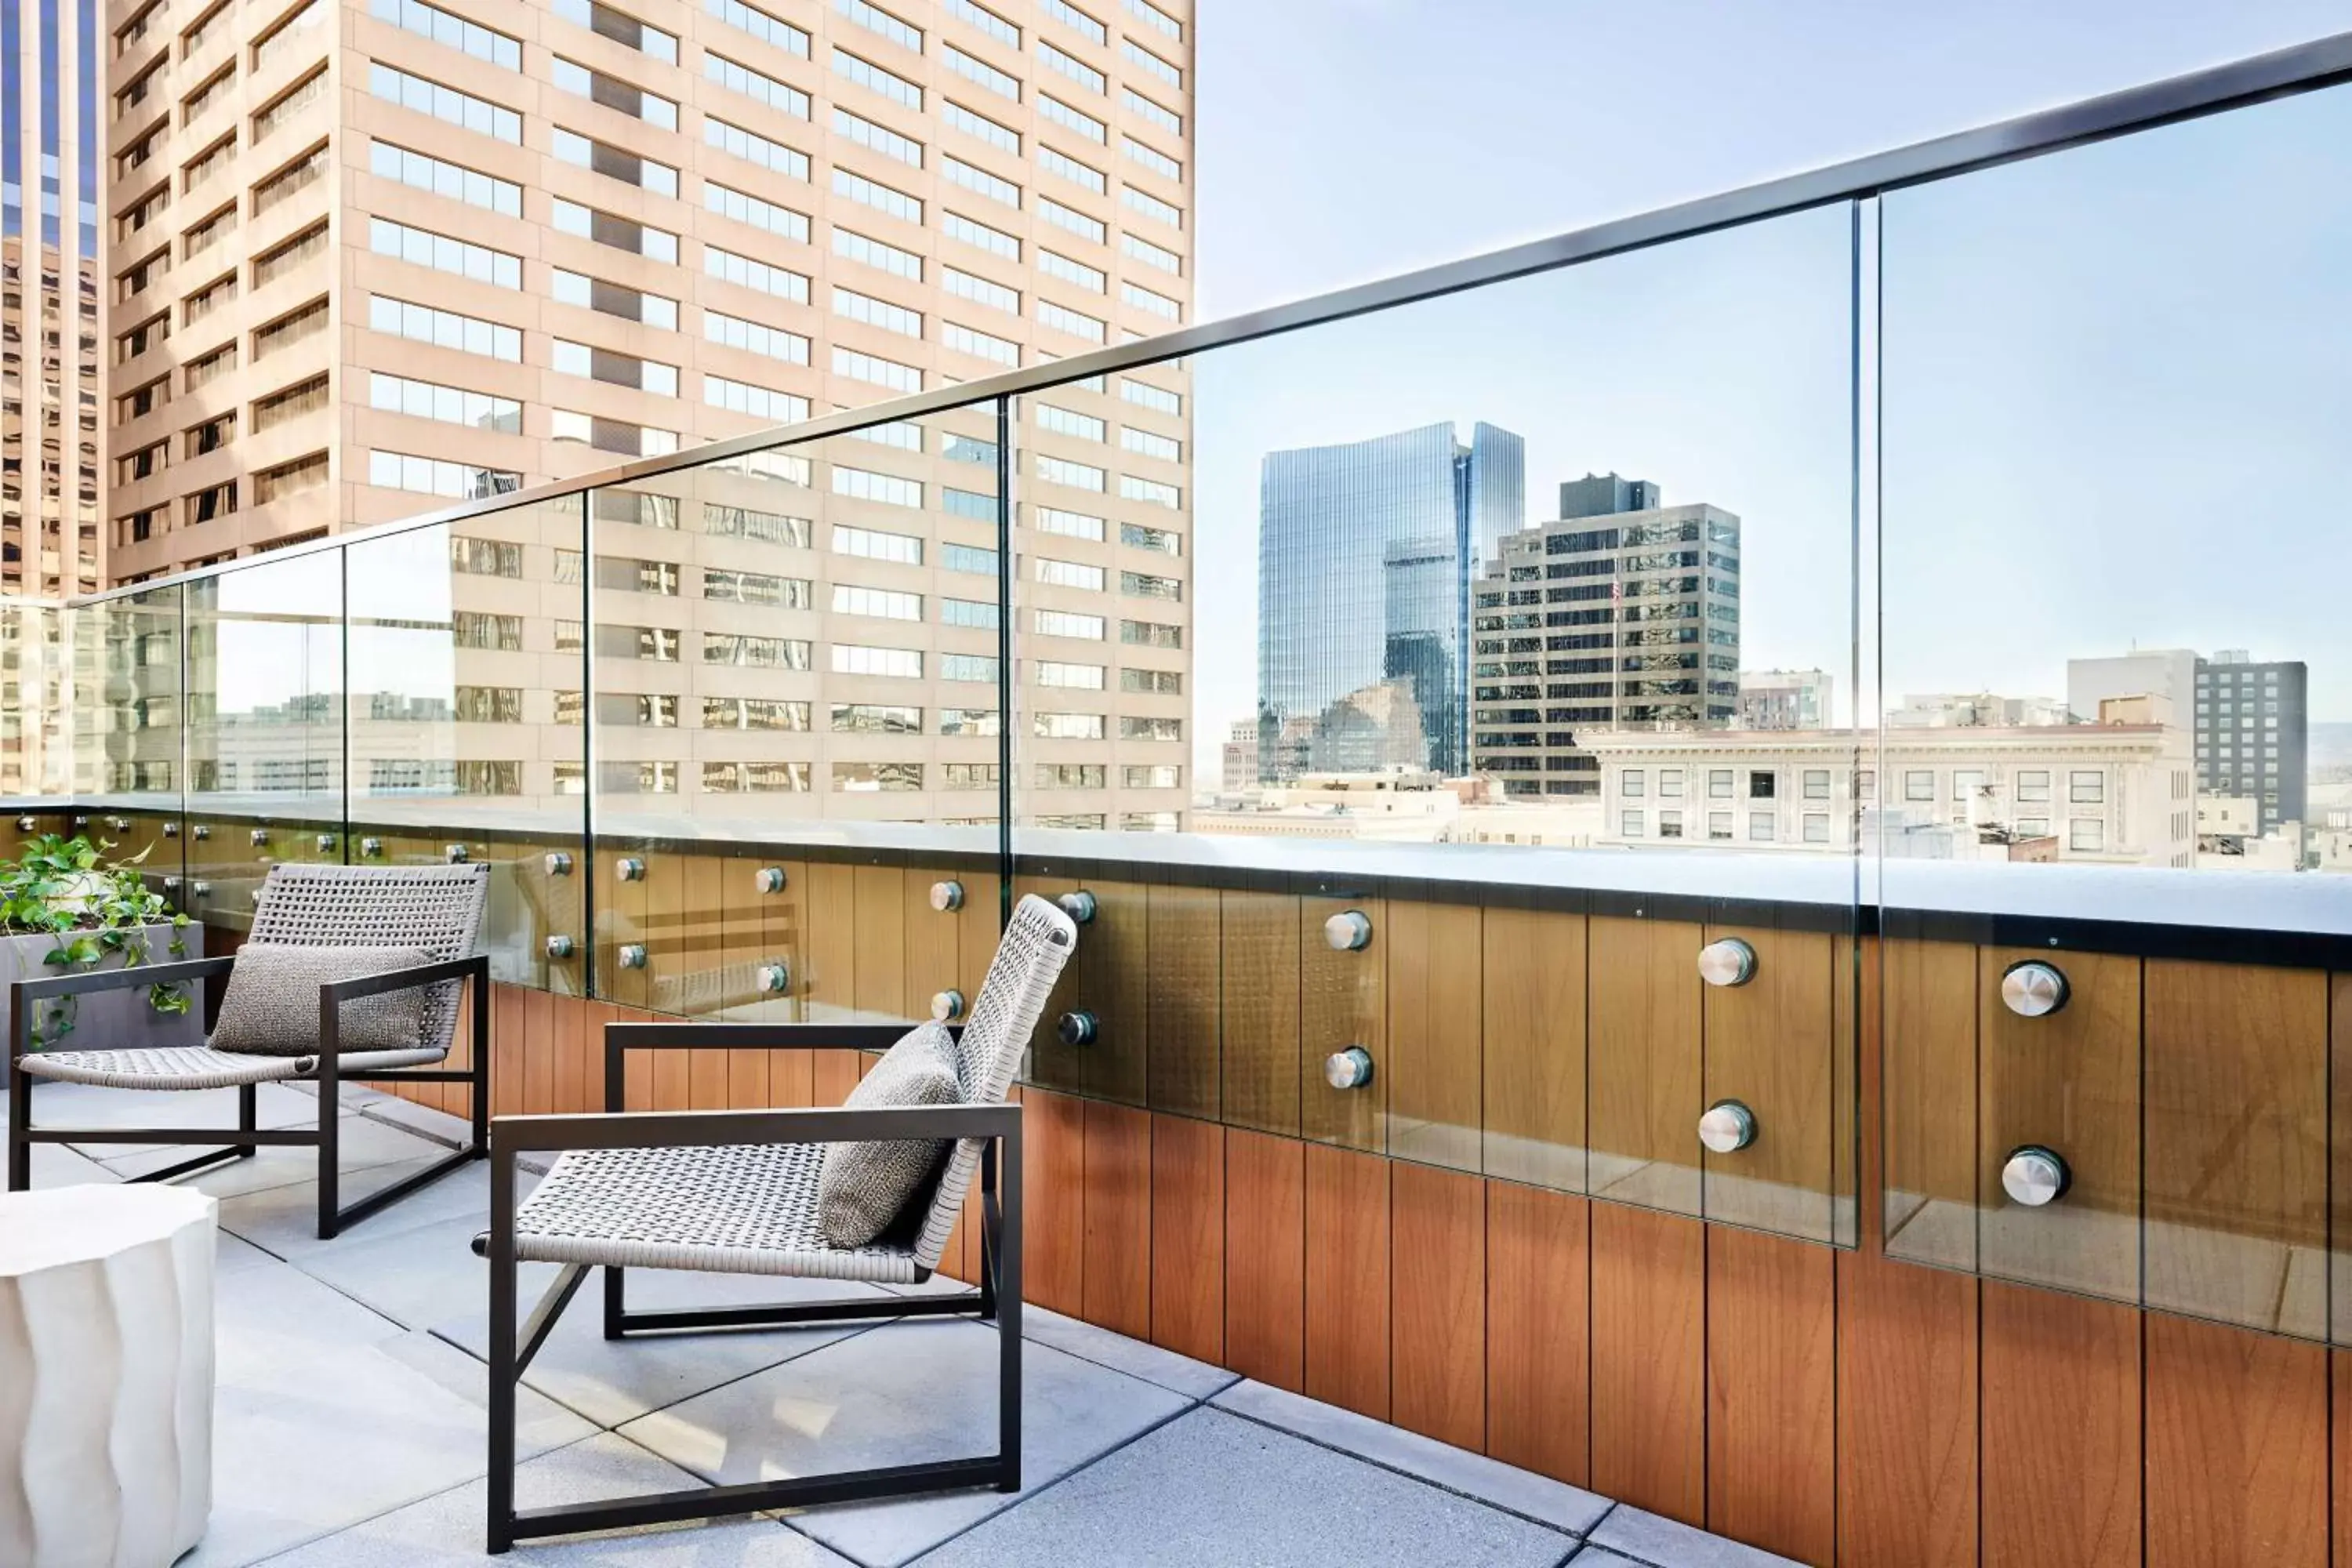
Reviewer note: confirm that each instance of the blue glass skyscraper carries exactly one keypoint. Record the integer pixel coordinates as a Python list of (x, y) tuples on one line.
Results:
[(1366, 553)]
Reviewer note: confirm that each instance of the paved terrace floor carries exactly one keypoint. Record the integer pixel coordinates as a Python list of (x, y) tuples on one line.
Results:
[(350, 1417)]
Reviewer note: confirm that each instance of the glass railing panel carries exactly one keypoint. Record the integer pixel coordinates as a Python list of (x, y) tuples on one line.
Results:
[(466, 741), (2112, 785), (1413, 720), (129, 736), (797, 730), (35, 698), (264, 668)]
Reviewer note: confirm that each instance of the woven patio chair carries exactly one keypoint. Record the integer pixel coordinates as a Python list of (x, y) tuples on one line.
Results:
[(735, 1192), (434, 910)]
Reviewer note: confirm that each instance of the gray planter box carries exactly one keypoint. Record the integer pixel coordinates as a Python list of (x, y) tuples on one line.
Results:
[(109, 1020)]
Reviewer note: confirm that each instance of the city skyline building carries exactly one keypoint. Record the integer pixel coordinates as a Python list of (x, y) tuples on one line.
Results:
[(1581, 630), (52, 486), (2252, 722), (378, 255), (1785, 699), (1366, 552)]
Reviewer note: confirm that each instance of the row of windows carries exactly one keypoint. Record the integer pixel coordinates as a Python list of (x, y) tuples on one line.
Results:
[(2084, 787)]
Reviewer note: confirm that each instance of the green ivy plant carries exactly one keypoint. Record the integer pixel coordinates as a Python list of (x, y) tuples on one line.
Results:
[(94, 909)]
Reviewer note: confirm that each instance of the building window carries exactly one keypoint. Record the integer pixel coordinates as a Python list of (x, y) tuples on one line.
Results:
[(1718, 826), (1817, 784), (1919, 784), (1632, 783), (1759, 827), (2034, 783), (1718, 784), (1629, 824), (1760, 781), (1670, 825), (1817, 827), (2086, 833), (1966, 782), (2086, 788)]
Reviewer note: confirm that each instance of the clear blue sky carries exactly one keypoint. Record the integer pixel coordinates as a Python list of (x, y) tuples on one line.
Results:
[(2105, 373)]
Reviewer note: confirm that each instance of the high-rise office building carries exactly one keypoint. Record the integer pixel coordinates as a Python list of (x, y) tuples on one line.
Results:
[(1365, 556), (2252, 724), (1633, 625), (375, 255), (50, 493)]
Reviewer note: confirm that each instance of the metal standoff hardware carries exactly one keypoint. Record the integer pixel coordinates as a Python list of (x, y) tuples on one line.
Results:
[(2034, 989), (947, 1006), (629, 868), (258, 837), (1351, 1069), (559, 946), (775, 976), (1727, 961), (1349, 931), (2035, 1176), (559, 863), (27, 824), (370, 848), (632, 955), (1727, 1127), (1075, 1029), (769, 879), (1079, 906), (326, 843), (947, 896), (456, 854)]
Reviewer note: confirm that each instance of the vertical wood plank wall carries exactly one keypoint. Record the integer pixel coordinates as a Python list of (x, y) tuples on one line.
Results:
[(1430, 1255)]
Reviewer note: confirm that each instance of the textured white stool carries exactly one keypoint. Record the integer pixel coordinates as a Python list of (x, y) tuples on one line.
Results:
[(106, 1375)]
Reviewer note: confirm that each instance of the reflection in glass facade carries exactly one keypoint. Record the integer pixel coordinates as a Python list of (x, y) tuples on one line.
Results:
[(1365, 555)]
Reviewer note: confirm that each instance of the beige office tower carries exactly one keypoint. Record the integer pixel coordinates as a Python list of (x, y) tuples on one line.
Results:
[(392, 255)]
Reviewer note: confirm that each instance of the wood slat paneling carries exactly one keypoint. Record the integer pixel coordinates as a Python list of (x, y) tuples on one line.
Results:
[(1184, 995), (1348, 1279), (2234, 1073), (1538, 1321), (2069, 1080), (1534, 1009), (880, 989), (1053, 1197), (1649, 1361), (2060, 1440), (1260, 934), (1771, 1388), (1117, 1176), (829, 942), (1437, 1311), (1436, 1033), (1265, 1258), (1188, 1237), (1907, 1413), (2237, 1447), (1767, 1044), (934, 940), (1051, 1063), (1929, 1104), (1644, 1075)]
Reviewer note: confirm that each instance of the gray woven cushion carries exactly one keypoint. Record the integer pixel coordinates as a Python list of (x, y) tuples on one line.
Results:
[(271, 1008), (861, 1188)]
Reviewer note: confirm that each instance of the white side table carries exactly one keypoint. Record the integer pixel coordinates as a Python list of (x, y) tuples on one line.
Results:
[(106, 1375)]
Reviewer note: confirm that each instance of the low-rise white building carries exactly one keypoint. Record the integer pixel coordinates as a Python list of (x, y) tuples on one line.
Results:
[(2107, 794)]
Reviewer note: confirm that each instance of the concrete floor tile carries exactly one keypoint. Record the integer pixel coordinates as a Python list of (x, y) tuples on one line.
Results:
[(1179, 1374), (448, 1528), (325, 1415), (1211, 1489), (416, 1275), (1649, 1538), (365, 1145), (1539, 1498), (613, 1382), (904, 1394), (283, 1221)]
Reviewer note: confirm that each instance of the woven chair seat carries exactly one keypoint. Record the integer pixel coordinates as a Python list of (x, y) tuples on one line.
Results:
[(733, 1209), (200, 1066)]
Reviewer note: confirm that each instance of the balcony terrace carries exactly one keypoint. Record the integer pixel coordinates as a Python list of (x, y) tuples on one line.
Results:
[(1862, 1149)]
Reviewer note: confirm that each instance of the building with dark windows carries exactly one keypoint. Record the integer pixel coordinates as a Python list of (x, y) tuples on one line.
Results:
[(1580, 627), (1366, 553), (2252, 724)]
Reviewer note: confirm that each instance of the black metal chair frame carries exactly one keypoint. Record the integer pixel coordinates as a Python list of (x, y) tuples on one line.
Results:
[(246, 1140), (513, 1345)]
